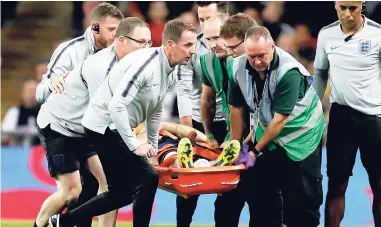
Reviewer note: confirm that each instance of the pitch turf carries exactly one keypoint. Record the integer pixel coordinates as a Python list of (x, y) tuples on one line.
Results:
[(30, 224), (122, 224)]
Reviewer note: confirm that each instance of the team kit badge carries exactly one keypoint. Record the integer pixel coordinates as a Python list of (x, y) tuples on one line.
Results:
[(365, 46)]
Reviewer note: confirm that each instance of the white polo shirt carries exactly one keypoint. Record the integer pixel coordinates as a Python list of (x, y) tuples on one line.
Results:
[(354, 66)]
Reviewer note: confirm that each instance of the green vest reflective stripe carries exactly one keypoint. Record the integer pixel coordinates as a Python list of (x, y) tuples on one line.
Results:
[(302, 133), (211, 67)]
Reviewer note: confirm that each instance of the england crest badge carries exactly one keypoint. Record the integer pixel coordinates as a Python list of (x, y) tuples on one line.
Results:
[(364, 47)]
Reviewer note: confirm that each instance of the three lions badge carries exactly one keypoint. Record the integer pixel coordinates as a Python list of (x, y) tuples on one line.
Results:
[(364, 47)]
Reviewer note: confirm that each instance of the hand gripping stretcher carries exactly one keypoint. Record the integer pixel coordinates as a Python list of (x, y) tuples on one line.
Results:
[(188, 182)]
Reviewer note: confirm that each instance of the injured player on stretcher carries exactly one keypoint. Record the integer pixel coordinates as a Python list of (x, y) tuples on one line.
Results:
[(181, 146)]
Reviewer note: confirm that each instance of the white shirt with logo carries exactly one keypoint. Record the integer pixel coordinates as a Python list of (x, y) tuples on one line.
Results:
[(354, 66)]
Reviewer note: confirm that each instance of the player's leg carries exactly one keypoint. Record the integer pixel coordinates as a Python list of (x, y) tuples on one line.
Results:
[(114, 162), (301, 185), (89, 190), (64, 167), (90, 184), (95, 167), (182, 131), (342, 145), (229, 154), (69, 185), (370, 147)]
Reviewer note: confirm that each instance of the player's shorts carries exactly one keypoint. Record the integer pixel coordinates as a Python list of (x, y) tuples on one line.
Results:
[(169, 142), (64, 154), (349, 130)]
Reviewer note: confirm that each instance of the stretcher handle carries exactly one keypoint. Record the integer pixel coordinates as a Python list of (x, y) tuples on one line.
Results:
[(185, 185), (190, 185), (229, 183)]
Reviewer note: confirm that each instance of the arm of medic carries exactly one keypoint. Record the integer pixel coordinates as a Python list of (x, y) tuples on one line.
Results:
[(285, 98), (208, 110), (60, 64), (153, 127), (118, 109), (184, 92)]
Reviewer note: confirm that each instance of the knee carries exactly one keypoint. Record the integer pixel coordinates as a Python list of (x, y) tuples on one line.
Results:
[(72, 193), (89, 182), (337, 186), (103, 186), (152, 178)]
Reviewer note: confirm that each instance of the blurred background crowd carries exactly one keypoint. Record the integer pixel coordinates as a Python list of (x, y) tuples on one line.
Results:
[(30, 31)]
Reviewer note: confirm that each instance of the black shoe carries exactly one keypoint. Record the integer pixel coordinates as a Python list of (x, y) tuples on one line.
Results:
[(54, 221)]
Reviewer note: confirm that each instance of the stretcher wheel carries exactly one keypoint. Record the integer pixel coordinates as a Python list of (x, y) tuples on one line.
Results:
[(197, 181)]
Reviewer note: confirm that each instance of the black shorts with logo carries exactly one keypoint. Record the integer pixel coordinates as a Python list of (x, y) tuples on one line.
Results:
[(348, 131), (64, 154)]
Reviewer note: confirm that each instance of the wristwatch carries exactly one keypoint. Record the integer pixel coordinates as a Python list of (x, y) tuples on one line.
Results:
[(257, 153)]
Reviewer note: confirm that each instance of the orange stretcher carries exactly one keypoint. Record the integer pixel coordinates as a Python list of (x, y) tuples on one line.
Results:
[(196, 181)]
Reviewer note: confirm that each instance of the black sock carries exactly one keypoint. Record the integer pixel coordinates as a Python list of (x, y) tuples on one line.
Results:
[(96, 206)]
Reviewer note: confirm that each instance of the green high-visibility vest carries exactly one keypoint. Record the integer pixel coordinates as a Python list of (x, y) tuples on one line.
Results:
[(212, 69)]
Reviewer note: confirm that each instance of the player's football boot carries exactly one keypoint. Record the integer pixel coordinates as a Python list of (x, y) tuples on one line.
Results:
[(185, 153), (229, 154)]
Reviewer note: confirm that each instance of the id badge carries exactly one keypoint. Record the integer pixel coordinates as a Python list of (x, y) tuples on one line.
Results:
[(254, 119)]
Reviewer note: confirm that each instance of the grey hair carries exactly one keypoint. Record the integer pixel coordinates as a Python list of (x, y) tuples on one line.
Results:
[(258, 32)]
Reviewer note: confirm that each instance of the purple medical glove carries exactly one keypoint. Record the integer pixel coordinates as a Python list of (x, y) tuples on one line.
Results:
[(245, 158)]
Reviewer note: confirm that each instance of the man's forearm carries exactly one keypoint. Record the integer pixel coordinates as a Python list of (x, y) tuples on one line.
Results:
[(186, 120), (153, 128), (320, 82), (208, 111), (271, 132), (119, 116), (43, 91)]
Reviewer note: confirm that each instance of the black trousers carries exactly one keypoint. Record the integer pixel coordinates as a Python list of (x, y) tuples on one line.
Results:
[(300, 184), (131, 178), (349, 130)]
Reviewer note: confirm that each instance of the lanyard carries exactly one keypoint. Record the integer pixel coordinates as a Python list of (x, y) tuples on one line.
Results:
[(254, 116), (258, 103)]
